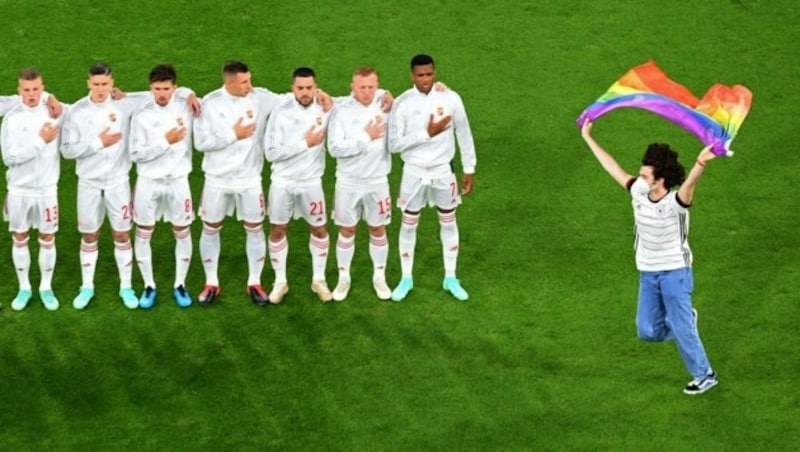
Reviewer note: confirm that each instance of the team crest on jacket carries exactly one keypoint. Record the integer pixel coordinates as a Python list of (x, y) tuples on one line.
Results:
[(319, 120), (250, 113), (439, 110), (112, 116), (180, 121)]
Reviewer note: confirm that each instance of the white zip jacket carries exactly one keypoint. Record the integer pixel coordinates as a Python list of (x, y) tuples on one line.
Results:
[(98, 166), (408, 133), (285, 143), (228, 162), (155, 158), (34, 166), (359, 158)]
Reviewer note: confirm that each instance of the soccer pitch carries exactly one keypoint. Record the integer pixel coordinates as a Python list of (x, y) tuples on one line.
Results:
[(544, 355)]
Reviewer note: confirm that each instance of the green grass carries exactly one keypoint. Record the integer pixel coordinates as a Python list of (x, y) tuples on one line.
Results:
[(544, 356)]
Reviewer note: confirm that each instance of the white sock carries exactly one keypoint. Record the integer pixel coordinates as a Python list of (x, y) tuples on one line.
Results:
[(47, 263), (345, 249), (256, 247), (407, 242), (88, 259), (183, 255), (319, 256), (123, 254), (379, 252), (209, 253), (21, 256), (144, 256), (448, 232), (277, 256)]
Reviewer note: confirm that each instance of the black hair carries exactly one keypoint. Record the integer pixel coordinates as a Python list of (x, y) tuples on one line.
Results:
[(99, 69), (303, 72), (163, 73), (421, 60), (665, 164), (234, 67)]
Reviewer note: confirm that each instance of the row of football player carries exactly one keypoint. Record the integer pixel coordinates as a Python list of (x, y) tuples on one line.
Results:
[(235, 127)]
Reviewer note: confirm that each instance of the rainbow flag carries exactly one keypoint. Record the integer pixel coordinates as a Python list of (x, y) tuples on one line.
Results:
[(714, 119)]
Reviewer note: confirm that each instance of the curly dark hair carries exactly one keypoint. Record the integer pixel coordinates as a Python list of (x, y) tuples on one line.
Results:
[(665, 164)]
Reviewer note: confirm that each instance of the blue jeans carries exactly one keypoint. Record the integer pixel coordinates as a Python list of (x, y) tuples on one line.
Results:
[(665, 314)]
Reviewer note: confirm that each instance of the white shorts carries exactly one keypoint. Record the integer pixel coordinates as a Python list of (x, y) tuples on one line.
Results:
[(416, 193), (371, 202), (293, 202), (155, 200), (26, 212), (217, 203), (94, 203)]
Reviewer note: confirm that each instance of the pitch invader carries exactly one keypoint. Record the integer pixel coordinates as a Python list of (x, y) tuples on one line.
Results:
[(161, 147), (96, 136), (30, 151)]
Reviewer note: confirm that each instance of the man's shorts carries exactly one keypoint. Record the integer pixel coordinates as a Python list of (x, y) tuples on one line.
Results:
[(26, 212), (416, 193), (373, 203), (168, 200), (95, 203), (294, 202), (217, 203)]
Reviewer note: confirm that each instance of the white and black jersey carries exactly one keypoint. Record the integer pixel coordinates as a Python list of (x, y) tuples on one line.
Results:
[(661, 231)]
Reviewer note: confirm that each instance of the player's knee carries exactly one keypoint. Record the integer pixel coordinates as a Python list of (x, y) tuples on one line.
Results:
[(377, 231), (91, 237), (179, 229), (319, 232), (20, 236), (347, 231), (47, 238), (277, 232)]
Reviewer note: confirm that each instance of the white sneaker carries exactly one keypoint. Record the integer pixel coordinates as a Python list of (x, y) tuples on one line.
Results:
[(321, 289), (382, 289), (277, 293), (341, 290)]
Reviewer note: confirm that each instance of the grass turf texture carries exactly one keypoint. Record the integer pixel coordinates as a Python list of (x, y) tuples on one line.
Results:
[(544, 355)]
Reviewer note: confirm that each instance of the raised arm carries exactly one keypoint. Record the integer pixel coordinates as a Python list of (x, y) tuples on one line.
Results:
[(686, 191), (606, 161), (53, 105), (191, 100), (6, 102)]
